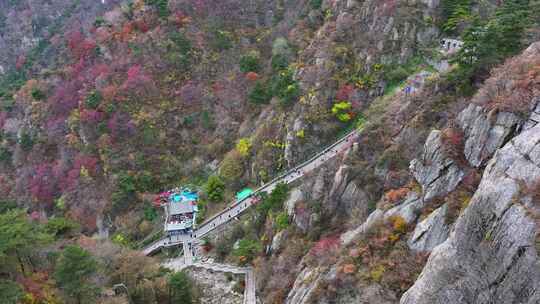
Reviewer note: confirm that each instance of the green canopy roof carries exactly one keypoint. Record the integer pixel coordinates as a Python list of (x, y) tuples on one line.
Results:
[(243, 194)]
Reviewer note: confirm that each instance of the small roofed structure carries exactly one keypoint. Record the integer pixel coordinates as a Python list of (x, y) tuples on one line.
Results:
[(243, 194), (180, 210)]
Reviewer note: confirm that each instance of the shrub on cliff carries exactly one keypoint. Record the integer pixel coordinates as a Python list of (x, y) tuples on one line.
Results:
[(214, 188), (260, 94), (250, 62)]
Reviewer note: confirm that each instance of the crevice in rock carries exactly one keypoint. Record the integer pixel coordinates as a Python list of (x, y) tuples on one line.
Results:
[(519, 253), (420, 236), (442, 172), (510, 135)]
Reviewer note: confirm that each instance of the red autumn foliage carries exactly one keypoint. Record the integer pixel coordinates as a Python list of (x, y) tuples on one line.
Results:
[(85, 216), (56, 127), (252, 76), (120, 125), (453, 136), (109, 93), (98, 70), (68, 180), (88, 162), (136, 79), (396, 195), (344, 93), (125, 33), (217, 87), (80, 46), (471, 180), (387, 7), (141, 25), (512, 85), (453, 143), (34, 284), (65, 98), (5, 185), (91, 116), (43, 184), (325, 246), (34, 216)]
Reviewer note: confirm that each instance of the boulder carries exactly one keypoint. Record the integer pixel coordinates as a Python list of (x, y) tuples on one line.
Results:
[(483, 133), (295, 196), (435, 171), (409, 210), (305, 284), (430, 232), (317, 191), (277, 240)]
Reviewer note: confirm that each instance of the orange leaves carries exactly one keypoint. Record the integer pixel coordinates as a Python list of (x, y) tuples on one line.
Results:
[(349, 268), (125, 33), (109, 93), (398, 224), (252, 76), (396, 195), (181, 19)]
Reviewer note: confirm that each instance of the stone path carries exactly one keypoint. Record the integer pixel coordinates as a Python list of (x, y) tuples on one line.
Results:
[(236, 209)]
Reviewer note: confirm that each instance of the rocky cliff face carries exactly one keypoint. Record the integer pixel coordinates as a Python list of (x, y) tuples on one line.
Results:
[(485, 252), (352, 38), (491, 254), (26, 25)]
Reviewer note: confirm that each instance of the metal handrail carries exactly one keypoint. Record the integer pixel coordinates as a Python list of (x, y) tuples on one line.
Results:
[(277, 178), (267, 184)]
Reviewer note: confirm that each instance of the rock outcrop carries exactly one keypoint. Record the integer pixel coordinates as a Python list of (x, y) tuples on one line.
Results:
[(216, 287), (490, 257), (308, 283), (437, 173), (430, 232), (409, 210), (485, 132), (534, 117)]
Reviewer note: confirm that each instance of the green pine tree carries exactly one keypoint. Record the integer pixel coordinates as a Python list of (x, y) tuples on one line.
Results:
[(180, 289), (19, 238), (74, 272), (215, 188)]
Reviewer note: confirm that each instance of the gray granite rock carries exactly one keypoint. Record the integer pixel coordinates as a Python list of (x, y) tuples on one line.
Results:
[(490, 256), (534, 117), (295, 196), (430, 232), (437, 173), (409, 210), (485, 134)]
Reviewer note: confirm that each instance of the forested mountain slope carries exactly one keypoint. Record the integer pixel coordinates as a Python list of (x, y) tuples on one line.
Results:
[(103, 104)]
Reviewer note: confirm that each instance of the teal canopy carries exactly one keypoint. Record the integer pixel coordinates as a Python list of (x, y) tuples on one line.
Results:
[(243, 194)]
